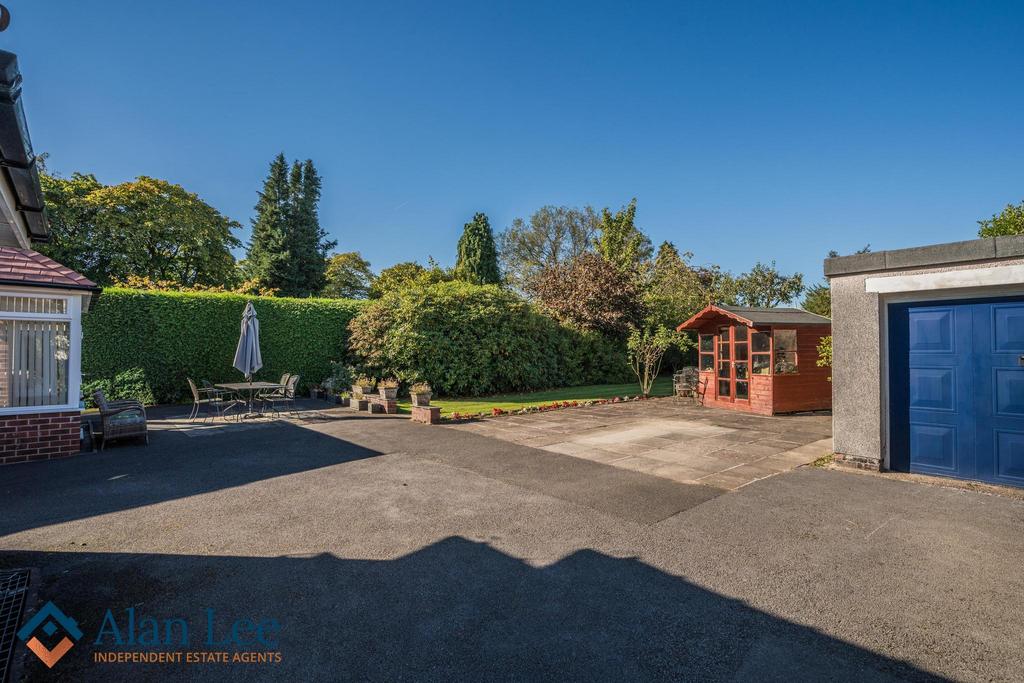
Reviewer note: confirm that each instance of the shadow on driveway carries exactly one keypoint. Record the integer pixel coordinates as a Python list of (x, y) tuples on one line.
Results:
[(456, 609), (174, 465)]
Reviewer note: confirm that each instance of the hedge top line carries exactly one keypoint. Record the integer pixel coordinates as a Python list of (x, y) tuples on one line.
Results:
[(236, 296)]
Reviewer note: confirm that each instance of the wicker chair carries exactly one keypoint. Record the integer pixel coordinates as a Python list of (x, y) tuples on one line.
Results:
[(120, 419)]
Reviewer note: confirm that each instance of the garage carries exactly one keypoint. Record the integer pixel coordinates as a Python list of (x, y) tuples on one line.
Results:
[(956, 378), (928, 359)]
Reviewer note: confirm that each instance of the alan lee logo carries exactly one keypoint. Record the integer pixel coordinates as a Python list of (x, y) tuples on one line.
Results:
[(145, 631)]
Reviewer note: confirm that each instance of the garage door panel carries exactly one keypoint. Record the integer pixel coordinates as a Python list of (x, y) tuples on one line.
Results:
[(933, 388), (1008, 328), (934, 447), (1009, 462), (933, 330), (1009, 391)]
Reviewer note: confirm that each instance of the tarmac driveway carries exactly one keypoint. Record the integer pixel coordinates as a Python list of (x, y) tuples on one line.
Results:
[(392, 551)]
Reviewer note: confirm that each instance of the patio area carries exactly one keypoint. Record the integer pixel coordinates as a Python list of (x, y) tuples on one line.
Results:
[(672, 438)]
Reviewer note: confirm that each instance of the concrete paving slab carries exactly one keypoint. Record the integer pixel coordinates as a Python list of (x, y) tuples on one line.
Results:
[(672, 433)]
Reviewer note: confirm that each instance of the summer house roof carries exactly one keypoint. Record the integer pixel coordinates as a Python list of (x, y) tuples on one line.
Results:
[(754, 315)]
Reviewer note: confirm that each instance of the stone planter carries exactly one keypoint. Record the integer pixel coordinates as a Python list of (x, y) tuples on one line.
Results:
[(422, 399), (388, 393)]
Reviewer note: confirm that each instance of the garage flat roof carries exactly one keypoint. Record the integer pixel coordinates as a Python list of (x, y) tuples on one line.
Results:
[(1010, 246)]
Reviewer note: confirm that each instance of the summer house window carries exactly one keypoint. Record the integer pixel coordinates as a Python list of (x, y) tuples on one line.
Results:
[(35, 345), (741, 363), (724, 367), (760, 353), (785, 352), (707, 352)]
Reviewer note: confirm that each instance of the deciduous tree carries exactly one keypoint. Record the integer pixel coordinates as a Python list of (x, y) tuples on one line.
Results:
[(677, 289), (553, 235), (348, 276), (147, 228), (589, 293), (1009, 221), (408, 274), (620, 242), (646, 347), (765, 286)]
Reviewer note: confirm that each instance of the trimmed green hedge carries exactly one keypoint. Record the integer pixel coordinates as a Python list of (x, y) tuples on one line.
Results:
[(174, 335), (470, 340)]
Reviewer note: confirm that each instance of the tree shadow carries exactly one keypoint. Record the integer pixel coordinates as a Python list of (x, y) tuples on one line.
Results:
[(456, 609)]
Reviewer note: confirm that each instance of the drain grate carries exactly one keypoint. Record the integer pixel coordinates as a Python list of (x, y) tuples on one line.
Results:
[(13, 588)]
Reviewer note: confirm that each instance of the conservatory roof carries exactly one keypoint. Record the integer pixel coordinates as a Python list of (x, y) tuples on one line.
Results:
[(27, 268)]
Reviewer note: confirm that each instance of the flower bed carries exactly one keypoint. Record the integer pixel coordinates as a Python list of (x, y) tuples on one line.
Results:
[(542, 408)]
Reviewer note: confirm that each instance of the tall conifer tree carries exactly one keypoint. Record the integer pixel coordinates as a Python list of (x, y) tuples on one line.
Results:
[(288, 249), (478, 258), (267, 259)]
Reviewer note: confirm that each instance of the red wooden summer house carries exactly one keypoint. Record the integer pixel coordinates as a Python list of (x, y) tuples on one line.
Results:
[(761, 360)]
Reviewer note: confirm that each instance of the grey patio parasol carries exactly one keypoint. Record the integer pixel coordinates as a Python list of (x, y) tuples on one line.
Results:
[(247, 356)]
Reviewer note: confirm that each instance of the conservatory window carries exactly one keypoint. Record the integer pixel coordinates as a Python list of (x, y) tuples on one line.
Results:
[(35, 349)]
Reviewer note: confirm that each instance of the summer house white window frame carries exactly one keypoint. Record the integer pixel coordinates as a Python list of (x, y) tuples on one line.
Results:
[(73, 315)]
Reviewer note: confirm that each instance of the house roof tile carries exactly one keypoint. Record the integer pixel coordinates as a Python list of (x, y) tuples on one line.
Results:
[(26, 267)]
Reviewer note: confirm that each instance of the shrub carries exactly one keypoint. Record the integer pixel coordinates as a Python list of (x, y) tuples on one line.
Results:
[(168, 336), (825, 353), (130, 384), (589, 293), (470, 340)]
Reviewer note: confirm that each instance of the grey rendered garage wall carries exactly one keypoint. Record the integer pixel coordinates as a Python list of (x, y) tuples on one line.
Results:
[(859, 386)]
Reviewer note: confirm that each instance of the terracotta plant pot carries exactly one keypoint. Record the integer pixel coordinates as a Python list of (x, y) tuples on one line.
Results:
[(388, 393), (422, 399)]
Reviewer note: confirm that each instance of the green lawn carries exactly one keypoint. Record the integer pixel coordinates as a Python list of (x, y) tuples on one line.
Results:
[(477, 404)]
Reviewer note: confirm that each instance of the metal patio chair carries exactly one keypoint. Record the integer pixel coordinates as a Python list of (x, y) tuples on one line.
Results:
[(285, 398), (214, 401)]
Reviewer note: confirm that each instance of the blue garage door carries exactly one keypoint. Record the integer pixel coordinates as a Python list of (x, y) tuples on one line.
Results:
[(956, 377)]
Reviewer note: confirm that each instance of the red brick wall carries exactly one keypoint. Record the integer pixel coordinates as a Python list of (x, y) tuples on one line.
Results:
[(39, 436)]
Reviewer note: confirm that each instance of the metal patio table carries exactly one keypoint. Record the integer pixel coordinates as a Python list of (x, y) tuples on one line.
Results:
[(252, 388)]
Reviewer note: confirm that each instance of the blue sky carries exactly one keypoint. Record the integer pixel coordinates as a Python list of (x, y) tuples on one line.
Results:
[(768, 130)]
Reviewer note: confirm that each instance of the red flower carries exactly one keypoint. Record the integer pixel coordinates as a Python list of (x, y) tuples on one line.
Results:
[(497, 411)]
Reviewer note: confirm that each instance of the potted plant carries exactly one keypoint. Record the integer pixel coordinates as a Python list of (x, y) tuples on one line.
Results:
[(420, 393), (342, 399), (362, 386), (388, 389)]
